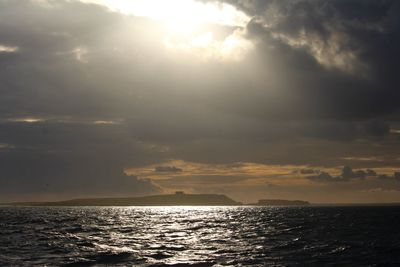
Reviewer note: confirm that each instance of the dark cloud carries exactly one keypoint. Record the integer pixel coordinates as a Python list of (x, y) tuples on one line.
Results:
[(69, 159), (347, 175), (338, 55), (308, 171), (395, 176)]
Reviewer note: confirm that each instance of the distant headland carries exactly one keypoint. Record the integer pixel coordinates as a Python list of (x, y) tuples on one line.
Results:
[(177, 199)]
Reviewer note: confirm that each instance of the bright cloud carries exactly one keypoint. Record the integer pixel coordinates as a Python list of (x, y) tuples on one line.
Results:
[(191, 25)]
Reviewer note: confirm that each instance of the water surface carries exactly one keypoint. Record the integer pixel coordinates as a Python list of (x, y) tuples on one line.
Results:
[(200, 236)]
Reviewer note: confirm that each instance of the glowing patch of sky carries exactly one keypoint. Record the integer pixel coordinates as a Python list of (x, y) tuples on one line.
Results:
[(186, 19)]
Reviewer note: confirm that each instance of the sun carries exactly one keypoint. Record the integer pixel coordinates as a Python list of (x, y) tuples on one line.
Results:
[(180, 15), (191, 25)]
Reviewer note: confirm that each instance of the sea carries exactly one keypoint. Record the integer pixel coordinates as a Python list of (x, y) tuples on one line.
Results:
[(200, 236)]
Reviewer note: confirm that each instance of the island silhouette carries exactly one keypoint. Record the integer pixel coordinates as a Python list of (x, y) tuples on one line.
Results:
[(179, 198)]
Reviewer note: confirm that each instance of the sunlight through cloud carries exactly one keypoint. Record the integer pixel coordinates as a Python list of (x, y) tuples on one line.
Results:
[(191, 25), (179, 15)]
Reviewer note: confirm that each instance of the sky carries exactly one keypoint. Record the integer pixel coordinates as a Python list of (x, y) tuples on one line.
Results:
[(253, 99)]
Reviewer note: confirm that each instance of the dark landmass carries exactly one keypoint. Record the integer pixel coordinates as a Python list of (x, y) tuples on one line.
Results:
[(177, 199), (281, 202)]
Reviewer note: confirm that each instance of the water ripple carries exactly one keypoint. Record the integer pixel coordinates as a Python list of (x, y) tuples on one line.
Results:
[(199, 236)]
